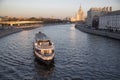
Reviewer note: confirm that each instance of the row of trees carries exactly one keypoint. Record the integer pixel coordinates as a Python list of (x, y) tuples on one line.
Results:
[(45, 20)]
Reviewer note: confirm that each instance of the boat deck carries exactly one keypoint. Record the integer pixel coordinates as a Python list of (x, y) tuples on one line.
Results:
[(45, 46)]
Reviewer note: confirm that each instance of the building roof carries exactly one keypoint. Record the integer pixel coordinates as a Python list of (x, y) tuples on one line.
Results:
[(117, 12), (41, 36)]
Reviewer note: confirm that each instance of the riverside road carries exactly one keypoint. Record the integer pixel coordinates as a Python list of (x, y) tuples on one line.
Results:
[(79, 56)]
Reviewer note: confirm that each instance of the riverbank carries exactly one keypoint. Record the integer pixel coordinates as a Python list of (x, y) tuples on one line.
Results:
[(11, 30), (8, 32), (114, 35)]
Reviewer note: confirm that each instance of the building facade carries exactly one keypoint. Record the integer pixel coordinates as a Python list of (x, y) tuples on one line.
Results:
[(110, 20), (95, 13), (79, 16)]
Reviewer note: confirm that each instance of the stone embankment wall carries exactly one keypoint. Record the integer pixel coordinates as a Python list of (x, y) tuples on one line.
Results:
[(114, 35)]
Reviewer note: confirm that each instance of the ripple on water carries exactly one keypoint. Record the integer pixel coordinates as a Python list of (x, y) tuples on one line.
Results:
[(79, 56)]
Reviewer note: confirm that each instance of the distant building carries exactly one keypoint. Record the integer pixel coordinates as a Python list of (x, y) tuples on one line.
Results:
[(110, 20), (79, 16), (94, 13), (1, 18)]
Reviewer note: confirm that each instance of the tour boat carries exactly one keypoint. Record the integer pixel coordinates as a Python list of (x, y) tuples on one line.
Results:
[(43, 48)]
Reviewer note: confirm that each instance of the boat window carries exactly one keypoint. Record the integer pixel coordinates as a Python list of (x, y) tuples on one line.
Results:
[(48, 51), (42, 51)]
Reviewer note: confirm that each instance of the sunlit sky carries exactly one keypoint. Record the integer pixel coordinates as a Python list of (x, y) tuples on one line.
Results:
[(49, 8)]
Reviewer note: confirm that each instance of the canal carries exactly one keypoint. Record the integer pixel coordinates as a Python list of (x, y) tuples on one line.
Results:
[(79, 56)]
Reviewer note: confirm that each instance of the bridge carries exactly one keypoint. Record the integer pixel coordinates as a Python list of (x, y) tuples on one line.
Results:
[(19, 23)]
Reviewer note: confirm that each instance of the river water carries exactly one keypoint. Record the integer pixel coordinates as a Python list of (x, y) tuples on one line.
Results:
[(79, 56)]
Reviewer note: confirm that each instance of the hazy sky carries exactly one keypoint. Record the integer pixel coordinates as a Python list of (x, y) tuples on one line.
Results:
[(48, 8)]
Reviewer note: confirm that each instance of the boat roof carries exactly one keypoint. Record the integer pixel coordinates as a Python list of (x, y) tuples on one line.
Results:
[(41, 36)]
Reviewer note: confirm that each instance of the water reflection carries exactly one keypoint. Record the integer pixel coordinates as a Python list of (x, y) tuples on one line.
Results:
[(72, 27), (72, 34), (79, 56), (43, 70)]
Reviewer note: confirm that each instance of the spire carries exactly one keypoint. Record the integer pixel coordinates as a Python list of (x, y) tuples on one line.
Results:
[(80, 6), (80, 9)]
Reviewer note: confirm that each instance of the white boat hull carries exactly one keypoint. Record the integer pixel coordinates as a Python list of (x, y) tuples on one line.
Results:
[(43, 48), (46, 60)]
